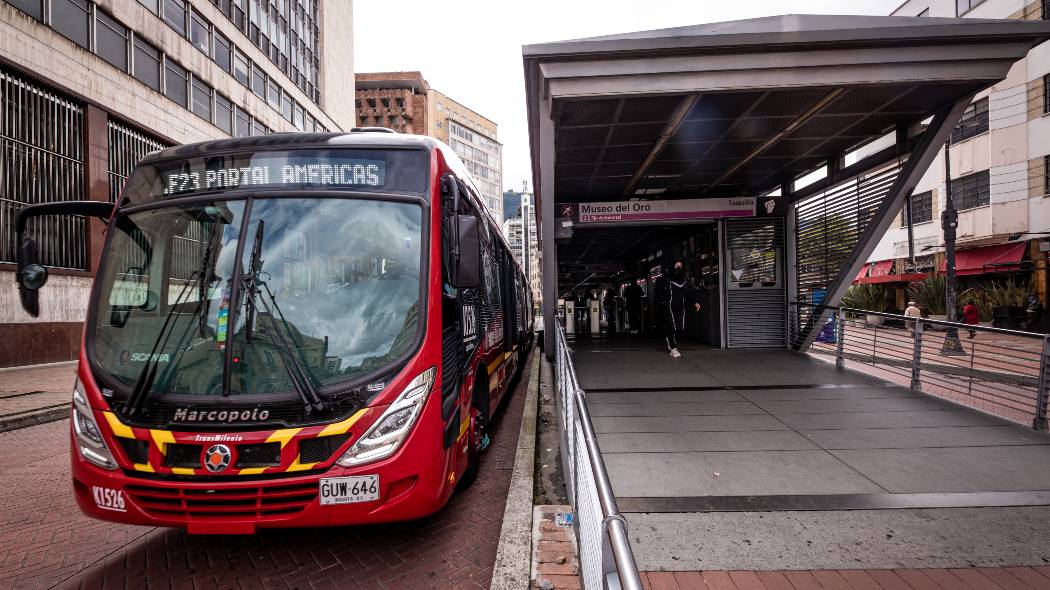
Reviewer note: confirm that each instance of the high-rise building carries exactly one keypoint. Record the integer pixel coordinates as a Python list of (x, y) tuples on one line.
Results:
[(1000, 175), (404, 102), (512, 203), (89, 87), (520, 232)]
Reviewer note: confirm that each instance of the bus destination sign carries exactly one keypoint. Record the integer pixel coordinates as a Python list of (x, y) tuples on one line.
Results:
[(332, 173)]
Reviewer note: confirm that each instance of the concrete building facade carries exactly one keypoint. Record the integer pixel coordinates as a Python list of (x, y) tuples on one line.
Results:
[(405, 102), (520, 231), (88, 87), (998, 165)]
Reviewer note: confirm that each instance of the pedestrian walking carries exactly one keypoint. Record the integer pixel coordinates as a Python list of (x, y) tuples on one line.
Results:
[(633, 295), (912, 311), (971, 316), (673, 292)]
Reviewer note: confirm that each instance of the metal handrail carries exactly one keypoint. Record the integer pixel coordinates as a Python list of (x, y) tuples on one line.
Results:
[(615, 524), (945, 323)]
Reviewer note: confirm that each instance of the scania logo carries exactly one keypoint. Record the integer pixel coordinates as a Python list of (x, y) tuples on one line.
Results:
[(217, 458)]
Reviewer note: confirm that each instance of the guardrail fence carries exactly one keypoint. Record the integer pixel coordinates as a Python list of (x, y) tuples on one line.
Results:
[(606, 559), (1002, 372)]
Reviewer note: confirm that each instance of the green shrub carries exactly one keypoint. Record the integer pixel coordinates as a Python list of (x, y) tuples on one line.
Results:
[(929, 293), (867, 297)]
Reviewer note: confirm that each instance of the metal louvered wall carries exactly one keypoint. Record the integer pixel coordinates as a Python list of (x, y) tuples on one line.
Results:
[(828, 227), (126, 147), (41, 161), (756, 311)]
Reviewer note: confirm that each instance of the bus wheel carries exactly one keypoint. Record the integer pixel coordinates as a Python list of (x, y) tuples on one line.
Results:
[(478, 432)]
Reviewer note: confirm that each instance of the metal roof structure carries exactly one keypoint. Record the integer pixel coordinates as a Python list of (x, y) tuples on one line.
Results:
[(745, 107)]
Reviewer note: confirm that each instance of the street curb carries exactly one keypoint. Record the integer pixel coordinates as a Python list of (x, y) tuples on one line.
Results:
[(512, 570), (34, 417)]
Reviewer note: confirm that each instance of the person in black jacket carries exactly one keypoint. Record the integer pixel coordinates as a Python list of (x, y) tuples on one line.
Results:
[(673, 293)]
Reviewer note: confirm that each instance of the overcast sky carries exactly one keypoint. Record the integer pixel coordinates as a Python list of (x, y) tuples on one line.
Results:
[(471, 49)]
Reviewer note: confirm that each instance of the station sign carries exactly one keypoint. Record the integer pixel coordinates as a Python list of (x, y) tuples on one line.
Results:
[(680, 210)]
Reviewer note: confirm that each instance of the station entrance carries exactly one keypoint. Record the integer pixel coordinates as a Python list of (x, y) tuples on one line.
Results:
[(732, 267)]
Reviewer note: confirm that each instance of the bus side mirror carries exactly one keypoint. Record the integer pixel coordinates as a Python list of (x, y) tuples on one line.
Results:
[(468, 266), (31, 275)]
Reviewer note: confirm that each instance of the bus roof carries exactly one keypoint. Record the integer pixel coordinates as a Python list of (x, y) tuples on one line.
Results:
[(368, 139)]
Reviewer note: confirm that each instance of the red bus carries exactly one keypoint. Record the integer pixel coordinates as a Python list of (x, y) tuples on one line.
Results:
[(290, 330)]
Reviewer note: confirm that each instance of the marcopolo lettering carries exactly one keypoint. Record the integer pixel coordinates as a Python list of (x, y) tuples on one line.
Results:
[(189, 415)]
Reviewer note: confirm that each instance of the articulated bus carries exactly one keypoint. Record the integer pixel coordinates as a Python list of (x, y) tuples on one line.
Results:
[(290, 330)]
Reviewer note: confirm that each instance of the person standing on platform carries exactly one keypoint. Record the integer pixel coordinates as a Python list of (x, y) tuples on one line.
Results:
[(673, 292), (633, 294)]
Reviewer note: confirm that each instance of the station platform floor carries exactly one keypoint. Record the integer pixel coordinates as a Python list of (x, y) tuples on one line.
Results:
[(771, 459)]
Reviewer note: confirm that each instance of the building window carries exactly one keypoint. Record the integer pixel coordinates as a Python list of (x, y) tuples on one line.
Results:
[(1046, 9), (297, 116), (222, 52), (974, 121), (33, 8), (259, 129), (175, 15), (111, 40), (1046, 92), (921, 209), (242, 124), (1046, 175), (223, 114), (175, 82), (258, 82), (150, 4), (972, 191), (273, 94), (201, 99), (241, 68), (286, 106), (70, 18), (964, 6), (147, 64), (200, 32)]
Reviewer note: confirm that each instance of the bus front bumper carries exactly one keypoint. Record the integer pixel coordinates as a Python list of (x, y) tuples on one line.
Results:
[(407, 489)]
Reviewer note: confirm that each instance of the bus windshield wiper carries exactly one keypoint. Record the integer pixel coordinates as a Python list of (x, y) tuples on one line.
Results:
[(149, 371), (253, 285)]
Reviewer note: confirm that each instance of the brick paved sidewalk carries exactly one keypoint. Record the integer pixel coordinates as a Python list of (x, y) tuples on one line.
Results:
[(34, 395), (1005, 578), (45, 542)]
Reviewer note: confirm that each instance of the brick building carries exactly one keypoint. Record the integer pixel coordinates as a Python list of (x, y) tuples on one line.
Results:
[(404, 102), (88, 87)]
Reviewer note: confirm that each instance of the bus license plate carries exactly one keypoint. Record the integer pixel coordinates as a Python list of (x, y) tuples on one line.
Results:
[(348, 490)]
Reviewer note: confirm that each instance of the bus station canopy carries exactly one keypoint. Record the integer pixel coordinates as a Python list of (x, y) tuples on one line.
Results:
[(743, 108)]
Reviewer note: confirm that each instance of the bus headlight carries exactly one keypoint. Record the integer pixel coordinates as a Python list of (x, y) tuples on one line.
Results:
[(392, 428), (89, 438)]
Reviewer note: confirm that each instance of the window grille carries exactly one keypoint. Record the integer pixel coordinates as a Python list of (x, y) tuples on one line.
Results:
[(41, 161), (974, 121), (921, 208), (971, 191), (126, 147)]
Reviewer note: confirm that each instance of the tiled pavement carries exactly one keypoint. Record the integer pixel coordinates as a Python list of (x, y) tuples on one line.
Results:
[(45, 542), (30, 389), (1009, 578)]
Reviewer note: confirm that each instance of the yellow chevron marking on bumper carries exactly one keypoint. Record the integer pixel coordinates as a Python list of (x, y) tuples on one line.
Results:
[(162, 438), (342, 427), (119, 428), (251, 470), (143, 467), (283, 436), (182, 471)]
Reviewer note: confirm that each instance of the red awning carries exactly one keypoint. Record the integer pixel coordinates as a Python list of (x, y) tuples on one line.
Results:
[(873, 269), (998, 258)]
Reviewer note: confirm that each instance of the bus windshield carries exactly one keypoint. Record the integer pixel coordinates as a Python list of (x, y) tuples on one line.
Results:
[(243, 296)]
